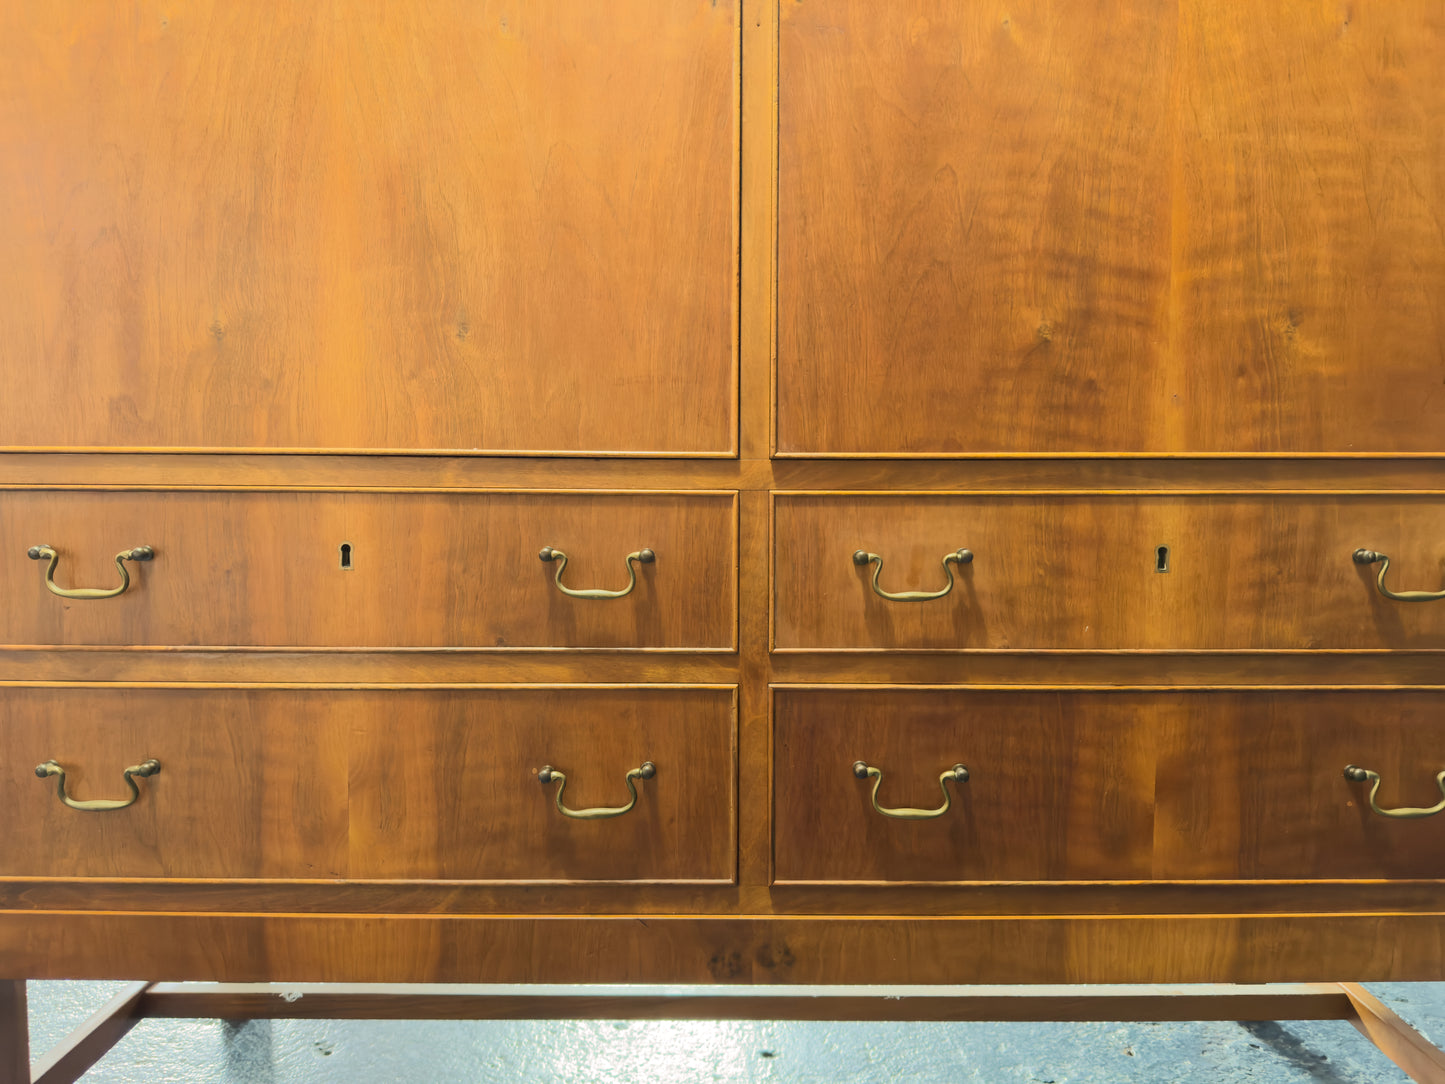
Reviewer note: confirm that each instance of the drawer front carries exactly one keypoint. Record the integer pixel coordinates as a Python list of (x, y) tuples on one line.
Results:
[(1067, 785), (385, 784), (1131, 227), (460, 225), (1082, 573), (426, 570)]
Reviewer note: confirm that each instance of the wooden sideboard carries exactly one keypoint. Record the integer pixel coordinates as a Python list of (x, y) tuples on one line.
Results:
[(1117, 327)]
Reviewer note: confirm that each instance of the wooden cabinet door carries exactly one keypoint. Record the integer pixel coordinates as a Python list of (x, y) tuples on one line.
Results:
[(1115, 226), (456, 225)]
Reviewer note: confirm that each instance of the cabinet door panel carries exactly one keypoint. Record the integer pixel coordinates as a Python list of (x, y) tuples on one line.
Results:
[(462, 225), (1063, 572), (1112, 226), (423, 570)]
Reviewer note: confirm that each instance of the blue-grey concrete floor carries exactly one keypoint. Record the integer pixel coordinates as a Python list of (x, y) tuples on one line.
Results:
[(362, 1052)]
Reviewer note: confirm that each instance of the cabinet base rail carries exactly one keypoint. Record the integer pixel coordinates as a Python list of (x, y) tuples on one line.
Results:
[(88, 1043)]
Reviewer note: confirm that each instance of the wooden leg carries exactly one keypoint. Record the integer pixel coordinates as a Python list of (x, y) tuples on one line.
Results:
[(1422, 1061), (87, 1044), (14, 1033)]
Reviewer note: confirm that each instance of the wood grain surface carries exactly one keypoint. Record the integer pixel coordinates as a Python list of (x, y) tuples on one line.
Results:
[(1055, 791), (1080, 572), (1113, 226), (249, 786), (102, 470), (1309, 279), (264, 569), (723, 949), (431, 898), (301, 274), (439, 225), (1122, 784), (371, 784), (15, 1027), (444, 785), (1252, 785)]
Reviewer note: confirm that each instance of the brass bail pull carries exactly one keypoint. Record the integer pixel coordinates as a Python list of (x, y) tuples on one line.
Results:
[(957, 557), (550, 774), (958, 773), (549, 554), (1405, 813), (144, 770), (1370, 557), (45, 552)]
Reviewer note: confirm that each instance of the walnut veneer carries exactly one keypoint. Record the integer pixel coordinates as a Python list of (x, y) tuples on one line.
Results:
[(1137, 302)]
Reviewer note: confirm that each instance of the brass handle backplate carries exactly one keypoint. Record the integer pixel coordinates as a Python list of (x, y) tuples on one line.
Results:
[(958, 557), (646, 557), (144, 769), (43, 552), (550, 774), (1370, 557), (958, 773), (1364, 775)]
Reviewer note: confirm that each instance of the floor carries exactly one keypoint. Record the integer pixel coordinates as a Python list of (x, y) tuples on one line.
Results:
[(356, 1052)]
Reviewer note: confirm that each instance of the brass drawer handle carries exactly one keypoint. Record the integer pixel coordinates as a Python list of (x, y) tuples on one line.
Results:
[(958, 557), (958, 773), (40, 553), (550, 774), (144, 769), (1370, 557), (1361, 775), (550, 554)]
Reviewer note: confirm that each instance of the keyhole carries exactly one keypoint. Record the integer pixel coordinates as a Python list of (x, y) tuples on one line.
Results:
[(346, 556), (1161, 559)]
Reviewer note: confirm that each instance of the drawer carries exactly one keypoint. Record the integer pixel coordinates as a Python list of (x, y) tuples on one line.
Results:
[(1070, 784), (371, 784), (368, 569), (453, 225), (1106, 572), (1109, 229)]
